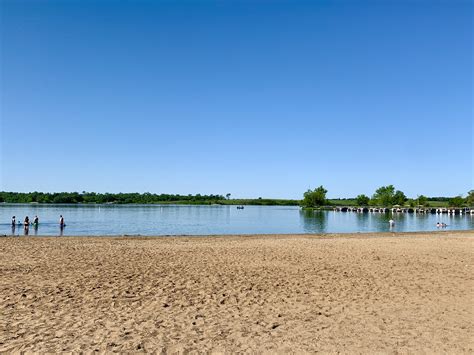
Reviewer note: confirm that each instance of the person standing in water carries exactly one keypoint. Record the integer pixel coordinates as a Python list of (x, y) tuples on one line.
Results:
[(35, 224), (26, 225), (61, 225), (13, 225)]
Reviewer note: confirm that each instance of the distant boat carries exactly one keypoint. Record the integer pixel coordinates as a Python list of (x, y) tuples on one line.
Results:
[(240, 207)]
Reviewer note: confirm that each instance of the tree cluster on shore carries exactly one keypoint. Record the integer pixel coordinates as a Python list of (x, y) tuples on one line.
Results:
[(93, 197), (384, 196), (135, 198)]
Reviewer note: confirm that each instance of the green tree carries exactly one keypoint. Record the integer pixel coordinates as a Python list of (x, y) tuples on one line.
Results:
[(362, 200), (227, 196), (384, 195), (315, 198), (470, 198), (457, 201), (422, 200), (399, 198)]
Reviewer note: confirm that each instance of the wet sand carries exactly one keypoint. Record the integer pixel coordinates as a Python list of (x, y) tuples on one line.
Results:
[(390, 293)]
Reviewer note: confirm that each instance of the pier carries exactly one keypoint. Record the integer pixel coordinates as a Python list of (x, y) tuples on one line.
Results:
[(419, 210)]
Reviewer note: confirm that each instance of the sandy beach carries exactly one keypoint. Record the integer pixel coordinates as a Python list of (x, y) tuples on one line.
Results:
[(390, 293)]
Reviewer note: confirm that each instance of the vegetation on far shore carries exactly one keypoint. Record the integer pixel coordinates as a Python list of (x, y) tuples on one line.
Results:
[(135, 198), (385, 196)]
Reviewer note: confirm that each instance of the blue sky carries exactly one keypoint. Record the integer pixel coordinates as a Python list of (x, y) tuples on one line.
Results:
[(254, 98)]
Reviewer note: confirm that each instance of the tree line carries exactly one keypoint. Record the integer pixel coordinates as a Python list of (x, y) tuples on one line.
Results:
[(136, 198), (386, 196), (101, 198)]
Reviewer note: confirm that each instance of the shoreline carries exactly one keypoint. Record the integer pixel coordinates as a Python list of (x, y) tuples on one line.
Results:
[(351, 235)]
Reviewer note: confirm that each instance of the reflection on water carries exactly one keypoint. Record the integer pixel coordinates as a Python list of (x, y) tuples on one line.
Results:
[(204, 220), (313, 221), (361, 221)]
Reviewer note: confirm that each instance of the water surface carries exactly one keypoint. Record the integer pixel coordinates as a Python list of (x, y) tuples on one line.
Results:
[(216, 219)]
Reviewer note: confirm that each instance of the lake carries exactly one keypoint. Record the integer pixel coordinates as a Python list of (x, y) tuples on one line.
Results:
[(215, 219)]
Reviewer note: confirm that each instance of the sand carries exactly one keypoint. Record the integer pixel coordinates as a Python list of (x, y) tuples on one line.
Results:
[(389, 293)]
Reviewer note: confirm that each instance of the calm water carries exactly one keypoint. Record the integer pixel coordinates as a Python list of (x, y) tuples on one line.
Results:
[(193, 220)]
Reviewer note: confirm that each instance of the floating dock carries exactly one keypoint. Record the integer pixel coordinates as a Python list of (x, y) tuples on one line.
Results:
[(425, 210)]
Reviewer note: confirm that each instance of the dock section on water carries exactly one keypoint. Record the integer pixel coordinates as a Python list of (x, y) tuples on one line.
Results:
[(419, 210)]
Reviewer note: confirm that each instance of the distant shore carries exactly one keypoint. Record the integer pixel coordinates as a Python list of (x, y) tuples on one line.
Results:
[(92, 198), (355, 292)]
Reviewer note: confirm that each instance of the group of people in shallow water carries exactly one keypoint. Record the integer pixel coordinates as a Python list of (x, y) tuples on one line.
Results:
[(26, 223), (438, 225)]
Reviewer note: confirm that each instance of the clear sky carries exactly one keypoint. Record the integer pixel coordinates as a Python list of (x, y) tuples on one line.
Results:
[(252, 98)]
